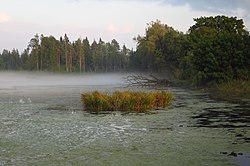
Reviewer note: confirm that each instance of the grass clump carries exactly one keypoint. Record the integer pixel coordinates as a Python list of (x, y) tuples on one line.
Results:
[(236, 90), (162, 99), (96, 102), (126, 101)]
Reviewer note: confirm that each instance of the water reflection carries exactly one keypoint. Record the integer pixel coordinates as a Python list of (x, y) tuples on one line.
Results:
[(224, 117)]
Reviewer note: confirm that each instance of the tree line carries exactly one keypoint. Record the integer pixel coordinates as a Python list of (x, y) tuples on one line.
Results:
[(46, 53), (214, 49)]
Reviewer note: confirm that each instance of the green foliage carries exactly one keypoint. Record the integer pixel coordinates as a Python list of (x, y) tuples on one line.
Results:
[(161, 47), (219, 46), (125, 101), (215, 49), (1, 63), (9, 60), (46, 53), (185, 71)]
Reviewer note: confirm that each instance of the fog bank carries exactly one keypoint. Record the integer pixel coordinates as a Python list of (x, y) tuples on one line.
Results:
[(41, 79)]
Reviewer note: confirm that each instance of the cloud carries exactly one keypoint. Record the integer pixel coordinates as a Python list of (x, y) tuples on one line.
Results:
[(211, 5), (112, 29), (239, 8), (4, 18), (195, 4), (121, 30)]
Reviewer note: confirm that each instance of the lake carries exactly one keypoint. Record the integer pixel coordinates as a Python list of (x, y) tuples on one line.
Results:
[(42, 123)]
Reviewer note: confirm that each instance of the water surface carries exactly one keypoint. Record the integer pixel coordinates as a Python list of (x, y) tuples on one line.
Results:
[(42, 123)]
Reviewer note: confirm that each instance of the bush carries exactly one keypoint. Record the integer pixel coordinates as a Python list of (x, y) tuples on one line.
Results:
[(126, 101)]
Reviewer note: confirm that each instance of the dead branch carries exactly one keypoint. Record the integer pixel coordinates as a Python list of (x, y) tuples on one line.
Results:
[(139, 80)]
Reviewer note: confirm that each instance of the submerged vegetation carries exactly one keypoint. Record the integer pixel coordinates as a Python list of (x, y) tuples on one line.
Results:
[(126, 101)]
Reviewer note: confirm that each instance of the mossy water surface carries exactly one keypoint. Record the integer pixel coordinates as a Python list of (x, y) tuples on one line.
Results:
[(45, 125)]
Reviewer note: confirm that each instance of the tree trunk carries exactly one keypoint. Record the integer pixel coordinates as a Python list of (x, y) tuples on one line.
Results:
[(37, 61), (66, 57)]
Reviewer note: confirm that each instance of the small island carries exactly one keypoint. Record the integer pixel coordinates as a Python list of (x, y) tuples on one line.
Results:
[(126, 101)]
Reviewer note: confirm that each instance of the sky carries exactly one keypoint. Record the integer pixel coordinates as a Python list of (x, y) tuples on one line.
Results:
[(122, 20)]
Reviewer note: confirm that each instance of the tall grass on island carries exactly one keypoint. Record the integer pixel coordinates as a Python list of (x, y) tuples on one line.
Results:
[(126, 101), (235, 91)]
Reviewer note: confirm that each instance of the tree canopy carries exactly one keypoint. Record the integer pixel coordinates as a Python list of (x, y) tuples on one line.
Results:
[(215, 49), (220, 47), (161, 47), (46, 53)]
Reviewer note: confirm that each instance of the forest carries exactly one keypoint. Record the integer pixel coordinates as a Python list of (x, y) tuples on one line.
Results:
[(214, 49), (45, 53)]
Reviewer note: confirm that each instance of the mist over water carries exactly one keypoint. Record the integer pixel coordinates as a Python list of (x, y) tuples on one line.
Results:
[(29, 79), (55, 91)]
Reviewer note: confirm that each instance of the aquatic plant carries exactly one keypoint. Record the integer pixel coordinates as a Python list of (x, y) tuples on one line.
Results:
[(235, 91), (162, 99), (96, 101), (126, 101), (122, 101)]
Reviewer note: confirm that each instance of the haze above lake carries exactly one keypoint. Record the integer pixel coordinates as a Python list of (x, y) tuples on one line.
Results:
[(28, 79)]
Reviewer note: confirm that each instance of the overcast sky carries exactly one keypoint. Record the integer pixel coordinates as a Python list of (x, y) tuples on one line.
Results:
[(20, 20)]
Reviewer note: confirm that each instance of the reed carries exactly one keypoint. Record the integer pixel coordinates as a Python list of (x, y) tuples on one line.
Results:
[(96, 102), (162, 99), (234, 91), (126, 101)]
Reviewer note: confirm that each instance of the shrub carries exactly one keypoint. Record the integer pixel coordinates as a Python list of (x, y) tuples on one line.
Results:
[(126, 101)]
